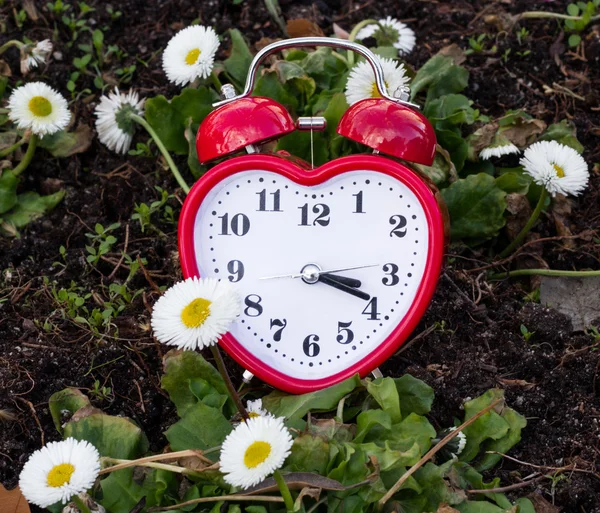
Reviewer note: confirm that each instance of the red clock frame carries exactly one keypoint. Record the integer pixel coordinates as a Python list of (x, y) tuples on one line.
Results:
[(309, 178)]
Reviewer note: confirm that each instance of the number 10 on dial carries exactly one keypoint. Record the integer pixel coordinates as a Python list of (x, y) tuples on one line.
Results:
[(335, 266)]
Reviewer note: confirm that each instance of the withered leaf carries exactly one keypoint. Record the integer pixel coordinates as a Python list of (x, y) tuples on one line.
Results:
[(302, 27), (12, 501), (295, 481)]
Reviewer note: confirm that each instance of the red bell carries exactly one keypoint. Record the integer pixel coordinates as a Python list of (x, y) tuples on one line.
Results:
[(390, 128), (241, 123)]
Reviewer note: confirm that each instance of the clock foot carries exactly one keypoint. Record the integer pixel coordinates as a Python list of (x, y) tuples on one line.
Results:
[(376, 373)]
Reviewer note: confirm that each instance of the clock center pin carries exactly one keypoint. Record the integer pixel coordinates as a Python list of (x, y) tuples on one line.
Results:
[(310, 273)]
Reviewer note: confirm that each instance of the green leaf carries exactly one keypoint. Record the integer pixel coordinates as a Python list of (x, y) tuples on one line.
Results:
[(513, 182), (8, 190), (194, 104), (516, 423), (120, 491), (291, 407), (369, 418), (416, 396), (454, 109), (525, 505), (239, 60), (574, 40), (476, 206), (431, 478), (168, 123), (390, 459), (479, 507), (564, 133), (183, 368), (275, 12), (270, 86), (196, 168), (414, 429), (491, 425), (3, 83), (202, 427), (443, 171), (170, 119), (439, 76), (452, 141), (299, 144), (386, 394), (117, 437), (335, 109), (309, 454), (388, 52), (30, 206), (65, 144), (69, 399)]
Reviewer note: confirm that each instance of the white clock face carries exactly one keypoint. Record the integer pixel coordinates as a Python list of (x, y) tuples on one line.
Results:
[(258, 224)]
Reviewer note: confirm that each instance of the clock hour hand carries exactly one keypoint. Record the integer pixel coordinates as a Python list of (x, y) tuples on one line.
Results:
[(328, 280), (345, 280)]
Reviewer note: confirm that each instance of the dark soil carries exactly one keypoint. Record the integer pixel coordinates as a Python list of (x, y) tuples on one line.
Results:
[(468, 341)]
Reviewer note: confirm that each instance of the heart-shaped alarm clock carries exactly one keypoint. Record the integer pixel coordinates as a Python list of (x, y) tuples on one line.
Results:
[(335, 265)]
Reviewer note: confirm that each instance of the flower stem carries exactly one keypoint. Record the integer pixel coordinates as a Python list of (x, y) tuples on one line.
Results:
[(82, 506), (534, 217), (544, 272), (230, 388), (285, 491), (543, 14), (140, 120), (8, 44), (14, 147), (352, 37), (216, 82), (22, 166)]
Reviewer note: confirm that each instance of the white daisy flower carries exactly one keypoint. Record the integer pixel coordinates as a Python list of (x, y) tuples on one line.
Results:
[(255, 409), (392, 31), (195, 313), (254, 450), (498, 147), (459, 446), (34, 55), (559, 168), (59, 471), (190, 54), (114, 126), (38, 107), (361, 81)]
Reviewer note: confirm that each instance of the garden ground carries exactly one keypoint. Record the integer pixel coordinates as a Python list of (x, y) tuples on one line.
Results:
[(471, 337)]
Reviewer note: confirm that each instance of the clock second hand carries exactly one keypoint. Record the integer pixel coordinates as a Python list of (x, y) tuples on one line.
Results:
[(319, 272)]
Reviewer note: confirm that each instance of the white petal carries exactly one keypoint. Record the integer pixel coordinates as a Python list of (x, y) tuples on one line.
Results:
[(166, 315), (405, 42), (33, 480), (361, 80), (196, 37), (109, 132), (21, 114), (539, 161), (256, 429)]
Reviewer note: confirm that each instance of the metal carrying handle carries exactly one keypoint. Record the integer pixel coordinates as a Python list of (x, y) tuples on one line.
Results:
[(316, 41)]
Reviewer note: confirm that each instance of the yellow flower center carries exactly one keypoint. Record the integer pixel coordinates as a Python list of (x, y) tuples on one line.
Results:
[(256, 454), (40, 106), (559, 170), (196, 313), (192, 56), (375, 91), (253, 414), (60, 475)]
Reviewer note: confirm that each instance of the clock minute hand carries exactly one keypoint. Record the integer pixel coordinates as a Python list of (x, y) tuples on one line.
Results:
[(329, 271)]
